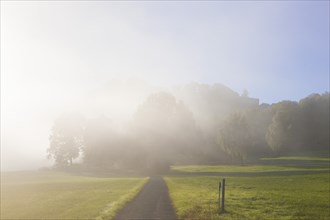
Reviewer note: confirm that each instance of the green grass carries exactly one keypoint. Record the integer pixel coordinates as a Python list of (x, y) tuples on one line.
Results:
[(230, 169), (54, 195), (299, 158), (272, 192)]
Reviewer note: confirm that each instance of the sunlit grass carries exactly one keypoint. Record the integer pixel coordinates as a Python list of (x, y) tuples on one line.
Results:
[(256, 168), (280, 195), (277, 197), (50, 195)]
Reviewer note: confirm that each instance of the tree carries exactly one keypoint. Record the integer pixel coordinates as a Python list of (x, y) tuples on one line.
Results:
[(234, 137), (166, 130), (258, 120), (66, 139), (101, 148), (283, 134), (315, 122)]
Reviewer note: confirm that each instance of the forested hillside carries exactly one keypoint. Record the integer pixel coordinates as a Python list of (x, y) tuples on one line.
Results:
[(191, 124)]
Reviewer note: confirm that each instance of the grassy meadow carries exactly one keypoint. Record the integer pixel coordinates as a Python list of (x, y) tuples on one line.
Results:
[(293, 191), (55, 195)]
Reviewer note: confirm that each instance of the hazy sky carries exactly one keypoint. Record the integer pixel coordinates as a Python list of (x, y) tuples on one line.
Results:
[(52, 52)]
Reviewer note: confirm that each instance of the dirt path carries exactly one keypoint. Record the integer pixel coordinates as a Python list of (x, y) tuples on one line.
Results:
[(152, 202)]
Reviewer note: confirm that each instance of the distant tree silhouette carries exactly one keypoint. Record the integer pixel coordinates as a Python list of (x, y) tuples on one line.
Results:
[(302, 126), (201, 124), (167, 131), (66, 139), (234, 137), (258, 121), (101, 143), (315, 122), (283, 133)]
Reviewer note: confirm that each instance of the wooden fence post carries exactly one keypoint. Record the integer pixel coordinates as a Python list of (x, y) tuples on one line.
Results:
[(219, 191), (223, 195)]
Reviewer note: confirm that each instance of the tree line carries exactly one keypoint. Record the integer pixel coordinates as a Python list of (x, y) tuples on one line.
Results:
[(195, 124)]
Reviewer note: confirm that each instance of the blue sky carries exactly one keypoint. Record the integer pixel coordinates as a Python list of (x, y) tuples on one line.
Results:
[(275, 49), (53, 52)]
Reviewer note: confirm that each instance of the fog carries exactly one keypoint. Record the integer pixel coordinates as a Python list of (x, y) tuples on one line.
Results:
[(107, 58), (26, 122)]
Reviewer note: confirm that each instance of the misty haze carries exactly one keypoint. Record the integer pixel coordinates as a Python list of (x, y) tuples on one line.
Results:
[(165, 110)]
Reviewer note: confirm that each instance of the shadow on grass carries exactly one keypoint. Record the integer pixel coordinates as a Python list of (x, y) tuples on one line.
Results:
[(249, 174), (297, 163)]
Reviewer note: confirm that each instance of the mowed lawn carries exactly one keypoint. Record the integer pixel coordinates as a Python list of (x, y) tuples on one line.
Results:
[(252, 192), (54, 195)]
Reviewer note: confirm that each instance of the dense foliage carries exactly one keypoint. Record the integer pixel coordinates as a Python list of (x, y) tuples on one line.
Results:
[(194, 124)]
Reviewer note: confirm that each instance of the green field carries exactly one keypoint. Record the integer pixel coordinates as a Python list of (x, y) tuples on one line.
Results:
[(253, 192), (299, 158), (286, 188), (54, 195), (249, 169)]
